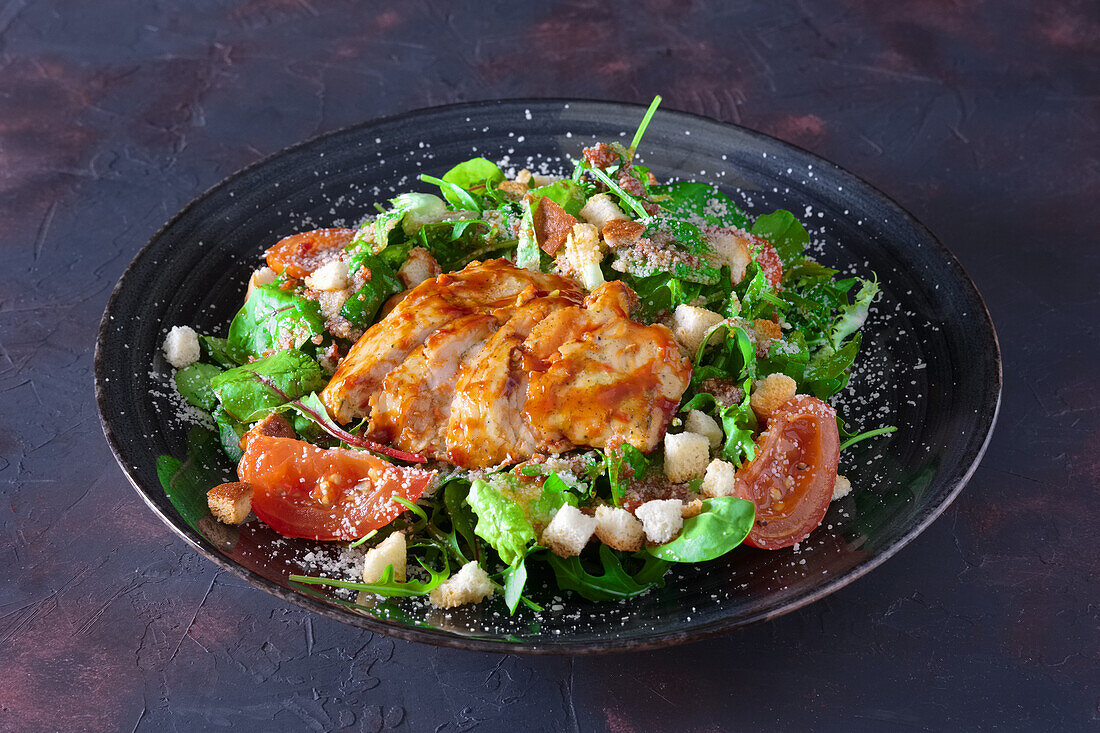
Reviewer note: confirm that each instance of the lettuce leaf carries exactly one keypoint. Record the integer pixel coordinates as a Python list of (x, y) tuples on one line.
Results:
[(500, 521)]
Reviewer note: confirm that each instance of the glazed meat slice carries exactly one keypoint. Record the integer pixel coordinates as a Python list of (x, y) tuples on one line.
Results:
[(597, 378), (495, 287), (414, 402), (487, 424)]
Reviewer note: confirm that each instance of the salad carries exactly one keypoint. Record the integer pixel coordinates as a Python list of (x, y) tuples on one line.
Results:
[(588, 378)]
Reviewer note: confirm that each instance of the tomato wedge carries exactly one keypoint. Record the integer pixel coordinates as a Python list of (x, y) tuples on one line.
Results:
[(792, 477), (325, 493), (300, 254), (768, 258)]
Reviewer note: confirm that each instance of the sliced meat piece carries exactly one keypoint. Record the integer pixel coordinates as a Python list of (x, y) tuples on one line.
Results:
[(599, 379), (412, 407), (496, 287), (487, 425)]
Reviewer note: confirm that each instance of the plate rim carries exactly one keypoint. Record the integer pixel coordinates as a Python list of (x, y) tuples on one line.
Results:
[(990, 405)]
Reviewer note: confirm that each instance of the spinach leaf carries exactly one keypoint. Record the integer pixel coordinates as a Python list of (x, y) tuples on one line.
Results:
[(565, 193), (723, 524), (699, 203), (272, 318), (230, 432), (739, 425), (473, 173), (614, 583), (785, 233), (216, 351), (500, 521), (248, 393), (361, 308), (555, 493), (193, 382), (186, 482)]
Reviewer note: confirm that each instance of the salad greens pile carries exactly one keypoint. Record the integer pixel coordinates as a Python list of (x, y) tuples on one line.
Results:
[(271, 360)]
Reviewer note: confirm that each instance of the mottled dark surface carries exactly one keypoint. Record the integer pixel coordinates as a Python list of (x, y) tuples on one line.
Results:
[(981, 118)]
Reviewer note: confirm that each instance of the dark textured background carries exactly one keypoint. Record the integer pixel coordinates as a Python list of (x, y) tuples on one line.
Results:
[(983, 118)]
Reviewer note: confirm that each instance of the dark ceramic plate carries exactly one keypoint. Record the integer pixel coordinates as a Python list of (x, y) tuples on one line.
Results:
[(930, 362)]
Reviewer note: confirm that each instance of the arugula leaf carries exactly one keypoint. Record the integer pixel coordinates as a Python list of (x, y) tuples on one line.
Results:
[(614, 583), (756, 297), (470, 175), (699, 203), (723, 524), (361, 308), (454, 244), (455, 194), (193, 382), (629, 200), (462, 518), (249, 393), (386, 585), (785, 233), (272, 318), (827, 372), (500, 521)]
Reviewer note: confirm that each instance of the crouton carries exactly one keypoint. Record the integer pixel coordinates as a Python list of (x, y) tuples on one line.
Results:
[(568, 532), (841, 488), (552, 225), (719, 479), (329, 277), (618, 528), (181, 346), (513, 190), (419, 266), (661, 519), (524, 177), (622, 233), (689, 509), (230, 503), (690, 325), (470, 584), (539, 180), (263, 276), (731, 247), (771, 392), (765, 333), (705, 425), (583, 253), (686, 456), (599, 210), (390, 551)]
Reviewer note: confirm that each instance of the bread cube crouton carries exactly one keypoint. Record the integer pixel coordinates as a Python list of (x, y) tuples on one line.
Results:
[(771, 392), (390, 551), (686, 456), (181, 346), (689, 509), (513, 190), (583, 253), (661, 519), (599, 210), (719, 479), (618, 528), (569, 531), (263, 276), (690, 325), (841, 488), (418, 267), (705, 425), (331, 276), (731, 247), (230, 503), (470, 584)]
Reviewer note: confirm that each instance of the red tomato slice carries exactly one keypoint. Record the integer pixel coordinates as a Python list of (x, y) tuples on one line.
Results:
[(300, 254), (325, 494), (792, 477), (765, 254)]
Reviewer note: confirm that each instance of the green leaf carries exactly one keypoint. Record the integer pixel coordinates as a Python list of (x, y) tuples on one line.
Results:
[(474, 173), (637, 466), (722, 525), (454, 193), (827, 372), (193, 382), (699, 203), (249, 393), (500, 521), (216, 351), (739, 425), (852, 317), (361, 308), (858, 437), (785, 233), (386, 585), (528, 254), (614, 583), (565, 193), (644, 124), (454, 244), (555, 493), (271, 319), (230, 432), (462, 517), (629, 200), (515, 577), (186, 482)]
